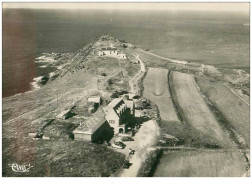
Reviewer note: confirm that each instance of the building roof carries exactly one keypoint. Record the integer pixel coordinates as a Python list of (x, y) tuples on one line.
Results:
[(109, 49), (116, 105), (63, 113), (96, 99), (130, 104), (115, 102), (92, 123)]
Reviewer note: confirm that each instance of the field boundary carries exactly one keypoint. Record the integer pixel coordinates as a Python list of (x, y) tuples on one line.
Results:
[(227, 126), (172, 95)]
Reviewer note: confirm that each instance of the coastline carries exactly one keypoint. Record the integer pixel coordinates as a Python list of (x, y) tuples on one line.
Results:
[(83, 74)]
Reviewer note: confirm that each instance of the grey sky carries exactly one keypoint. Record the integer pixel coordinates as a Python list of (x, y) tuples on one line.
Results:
[(240, 7)]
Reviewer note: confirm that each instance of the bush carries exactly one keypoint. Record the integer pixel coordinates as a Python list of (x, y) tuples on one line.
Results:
[(150, 164), (110, 82)]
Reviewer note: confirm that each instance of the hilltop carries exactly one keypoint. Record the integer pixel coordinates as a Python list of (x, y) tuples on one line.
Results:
[(80, 74), (86, 73)]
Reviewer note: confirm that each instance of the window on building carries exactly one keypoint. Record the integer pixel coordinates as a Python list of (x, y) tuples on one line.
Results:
[(112, 121)]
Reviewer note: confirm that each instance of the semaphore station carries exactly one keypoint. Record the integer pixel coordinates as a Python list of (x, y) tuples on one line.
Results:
[(111, 52)]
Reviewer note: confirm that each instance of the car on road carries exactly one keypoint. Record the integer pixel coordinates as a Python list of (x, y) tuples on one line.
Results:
[(139, 108), (124, 139), (120, 144), (116, 146), (126, 164), (131, 151)]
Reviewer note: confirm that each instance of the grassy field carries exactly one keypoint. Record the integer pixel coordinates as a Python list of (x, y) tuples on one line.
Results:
[(82, 75), (195, 113), (235, 110), (156, 89), (203, 163), (149, 60), (55, 158), (58, 156)]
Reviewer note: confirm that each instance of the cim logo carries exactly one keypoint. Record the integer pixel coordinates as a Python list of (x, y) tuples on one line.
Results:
[(20, 168)]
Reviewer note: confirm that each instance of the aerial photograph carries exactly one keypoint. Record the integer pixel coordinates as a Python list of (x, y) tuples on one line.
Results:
[(125, 89)]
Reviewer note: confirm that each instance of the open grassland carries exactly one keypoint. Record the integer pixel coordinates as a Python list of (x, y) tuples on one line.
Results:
[(195, 113), (234, 109), (58, 156), (28, 112), (156, 61), (55, 158), (148, 59), (156, 89), (51, 99), (201, 163)]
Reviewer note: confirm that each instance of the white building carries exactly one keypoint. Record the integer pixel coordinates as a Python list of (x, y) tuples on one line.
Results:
[(109, 51), (95, 99), (121, 56), (112, 52)]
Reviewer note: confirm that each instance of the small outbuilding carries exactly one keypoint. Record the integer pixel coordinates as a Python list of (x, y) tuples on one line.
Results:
[(65, 114), (95, 99)]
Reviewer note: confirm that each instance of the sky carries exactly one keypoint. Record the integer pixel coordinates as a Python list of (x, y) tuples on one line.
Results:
[(237, 7)]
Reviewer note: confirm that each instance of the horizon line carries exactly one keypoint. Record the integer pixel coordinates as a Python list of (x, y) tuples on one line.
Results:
[(149, 6)]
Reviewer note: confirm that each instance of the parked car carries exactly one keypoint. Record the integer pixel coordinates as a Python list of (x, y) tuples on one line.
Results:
[(116, 146), (131, 151), (136, 97), (127, 139), (139, 108), (107, 143), (126, 164), (121, 144)]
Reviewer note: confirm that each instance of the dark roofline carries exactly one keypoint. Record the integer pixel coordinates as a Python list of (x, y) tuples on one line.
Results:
[(109, 49)]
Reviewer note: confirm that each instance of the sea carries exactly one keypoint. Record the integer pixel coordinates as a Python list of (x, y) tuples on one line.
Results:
[(31, 36)]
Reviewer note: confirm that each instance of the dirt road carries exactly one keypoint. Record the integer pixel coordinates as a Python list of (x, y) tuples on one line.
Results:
[(144, 140), (137, 77)]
